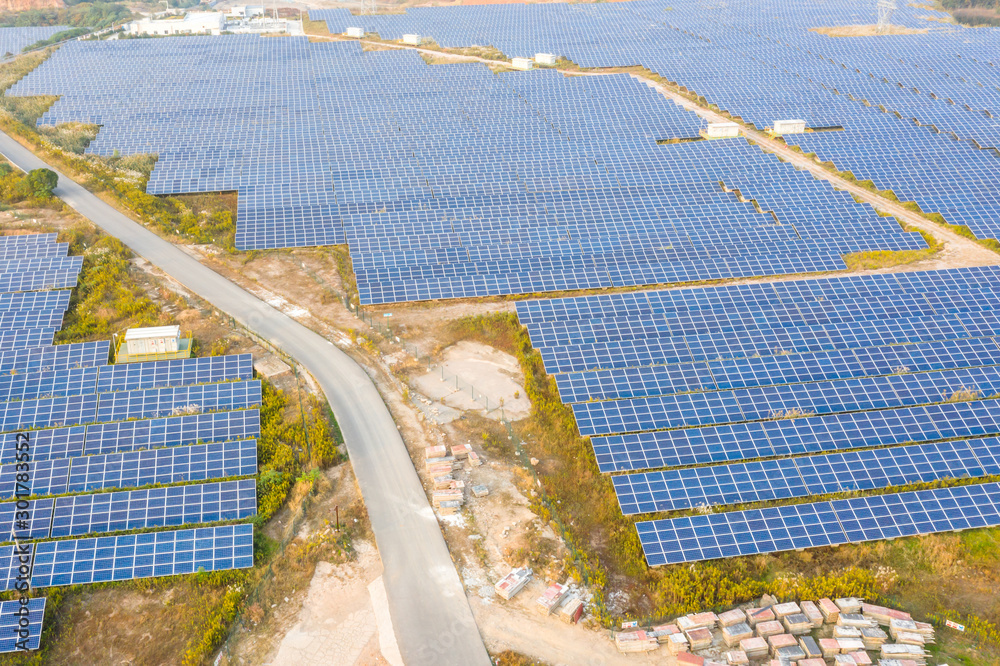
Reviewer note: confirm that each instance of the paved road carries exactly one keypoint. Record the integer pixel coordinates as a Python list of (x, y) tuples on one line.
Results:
[(431, 615)]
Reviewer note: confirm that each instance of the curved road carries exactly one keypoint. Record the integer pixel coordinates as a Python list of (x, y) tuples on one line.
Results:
[(431, 615)]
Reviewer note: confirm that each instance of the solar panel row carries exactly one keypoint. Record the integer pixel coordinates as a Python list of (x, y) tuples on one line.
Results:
[(786, 478), (797, 526), (892, 381)]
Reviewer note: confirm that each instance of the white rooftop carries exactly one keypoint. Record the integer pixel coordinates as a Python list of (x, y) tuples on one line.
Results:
[(152, 332)]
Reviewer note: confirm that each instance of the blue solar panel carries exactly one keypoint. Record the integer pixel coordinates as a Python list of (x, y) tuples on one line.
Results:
[(45, 444), (786, 478), (174, 464), (31, 522), (57, 357), (169, 553), (534, 182), (34, 385), (124, 436), (36, 300), (120, 405), (180, 372), (15, 564), (852, 520), (17, 618), (157, 507), (47, 412)]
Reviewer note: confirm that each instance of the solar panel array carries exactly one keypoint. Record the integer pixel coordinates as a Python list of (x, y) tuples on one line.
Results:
[(98, 436), (902, 101), (776, 391), (449, 181), (14, 40), (11, 624)]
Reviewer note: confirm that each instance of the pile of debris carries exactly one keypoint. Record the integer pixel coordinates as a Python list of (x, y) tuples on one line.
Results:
[(560, 599), (811, 633), (508, 586), (448, 493)]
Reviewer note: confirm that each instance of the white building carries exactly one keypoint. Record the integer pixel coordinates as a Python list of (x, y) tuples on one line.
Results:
[(247, 11), (191, 23)]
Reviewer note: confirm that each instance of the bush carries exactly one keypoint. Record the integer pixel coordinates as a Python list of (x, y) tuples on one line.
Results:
[(42, 182)]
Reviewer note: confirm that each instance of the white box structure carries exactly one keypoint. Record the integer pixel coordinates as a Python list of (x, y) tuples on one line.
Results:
[(721, 131), (789, 126), (521, 63), (545, 58), (357, 33), (412, 40), (154, 340)]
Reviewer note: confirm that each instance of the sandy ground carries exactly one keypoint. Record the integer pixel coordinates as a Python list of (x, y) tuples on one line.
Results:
[(476, 377), (337, 623), (866, 31)]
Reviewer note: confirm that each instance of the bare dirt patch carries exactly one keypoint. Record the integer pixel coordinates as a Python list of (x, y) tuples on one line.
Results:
[(866, 31), (473, 376)]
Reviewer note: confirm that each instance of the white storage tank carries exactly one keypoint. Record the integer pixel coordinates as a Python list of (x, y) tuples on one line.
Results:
[(357, 33), (153, 340), (521, 63), (545, 58), (789, 126), (412, 40), (721, 131)]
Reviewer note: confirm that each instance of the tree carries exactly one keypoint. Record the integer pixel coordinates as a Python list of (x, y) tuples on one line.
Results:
[(42, 182)]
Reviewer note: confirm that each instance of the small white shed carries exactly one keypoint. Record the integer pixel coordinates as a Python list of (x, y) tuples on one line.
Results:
[(412, 40), (153, 340), (721, 131), (357, 33), (521, 63), (545, 58), (789, 126)]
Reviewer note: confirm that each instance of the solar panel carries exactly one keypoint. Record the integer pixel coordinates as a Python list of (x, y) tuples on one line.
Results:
[(853, 520), (786, 478), (121, 405), (157, 507), (124, 436), (21, 624), (199, 462), (31, 522), (535, 182), (15, 564), (179, 372), (168, 553), (57, 357)]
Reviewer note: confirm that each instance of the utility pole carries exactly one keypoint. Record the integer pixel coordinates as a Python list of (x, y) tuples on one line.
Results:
[(885, 10)]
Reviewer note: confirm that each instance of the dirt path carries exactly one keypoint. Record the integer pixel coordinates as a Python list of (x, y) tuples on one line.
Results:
[(512, 627)]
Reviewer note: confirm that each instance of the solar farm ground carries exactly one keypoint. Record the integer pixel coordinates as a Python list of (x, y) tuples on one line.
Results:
[(87, 621), (956, 572)]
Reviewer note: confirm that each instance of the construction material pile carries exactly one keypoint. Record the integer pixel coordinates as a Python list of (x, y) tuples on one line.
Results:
[(448, 493), (825, 632)]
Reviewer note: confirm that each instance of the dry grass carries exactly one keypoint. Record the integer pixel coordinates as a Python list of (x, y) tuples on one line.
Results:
[(863, 261), (963, 394), (791, 413), (315, 28), (866, 31)]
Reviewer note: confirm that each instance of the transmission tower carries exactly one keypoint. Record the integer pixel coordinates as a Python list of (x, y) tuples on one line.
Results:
[(885, 10), (368, 7)]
